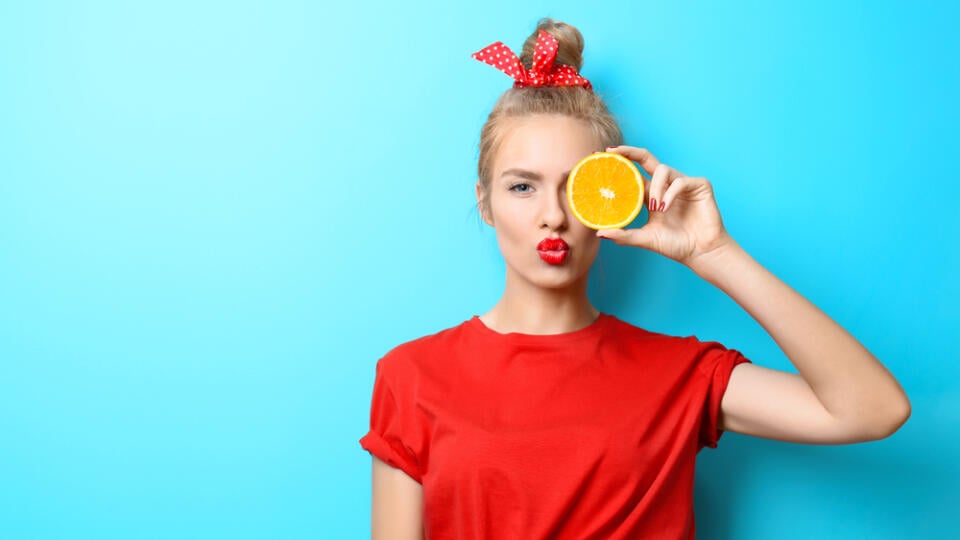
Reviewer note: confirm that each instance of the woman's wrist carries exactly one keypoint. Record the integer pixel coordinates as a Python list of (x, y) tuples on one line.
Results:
[(718, 261)]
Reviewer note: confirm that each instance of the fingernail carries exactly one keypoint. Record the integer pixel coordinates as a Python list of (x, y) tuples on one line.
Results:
[(652, 205), (663, 205)]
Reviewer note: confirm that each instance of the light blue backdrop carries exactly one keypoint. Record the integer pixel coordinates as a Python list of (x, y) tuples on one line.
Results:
[(216, 216)]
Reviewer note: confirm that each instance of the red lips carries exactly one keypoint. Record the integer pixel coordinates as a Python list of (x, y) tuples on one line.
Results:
[(552, 244), (553, 250)]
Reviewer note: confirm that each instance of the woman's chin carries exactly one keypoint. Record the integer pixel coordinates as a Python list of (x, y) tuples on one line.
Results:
[(554, 278)]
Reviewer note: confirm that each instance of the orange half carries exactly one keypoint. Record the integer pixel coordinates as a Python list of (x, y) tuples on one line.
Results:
[(605, 191)]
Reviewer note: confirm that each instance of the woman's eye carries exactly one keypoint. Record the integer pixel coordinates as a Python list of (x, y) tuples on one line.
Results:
[(521, 188)]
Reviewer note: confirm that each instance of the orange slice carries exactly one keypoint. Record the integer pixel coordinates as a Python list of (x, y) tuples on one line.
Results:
[(605, 191)]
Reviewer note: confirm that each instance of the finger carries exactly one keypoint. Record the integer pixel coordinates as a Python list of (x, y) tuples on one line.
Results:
[(663, 176), (677, 187), (641, 237), (648, 162)]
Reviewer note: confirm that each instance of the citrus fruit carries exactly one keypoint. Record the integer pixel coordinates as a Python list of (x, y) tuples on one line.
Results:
[(605, 191)]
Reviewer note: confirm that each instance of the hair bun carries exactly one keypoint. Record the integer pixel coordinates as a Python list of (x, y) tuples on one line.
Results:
[(570, 40)]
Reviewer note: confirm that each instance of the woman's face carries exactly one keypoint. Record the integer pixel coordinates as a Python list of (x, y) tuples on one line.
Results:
[(528, 202)]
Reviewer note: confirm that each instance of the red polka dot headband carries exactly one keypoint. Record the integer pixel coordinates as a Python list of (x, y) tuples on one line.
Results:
[(542, 73)]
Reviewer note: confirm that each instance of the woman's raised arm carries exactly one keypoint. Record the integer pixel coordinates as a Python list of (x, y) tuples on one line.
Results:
[(842, 394)]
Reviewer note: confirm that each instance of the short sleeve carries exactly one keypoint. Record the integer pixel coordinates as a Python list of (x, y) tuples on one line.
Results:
[(716, 363), (392, 424)]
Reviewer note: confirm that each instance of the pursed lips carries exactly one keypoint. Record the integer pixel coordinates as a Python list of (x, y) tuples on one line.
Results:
[(553, 250)]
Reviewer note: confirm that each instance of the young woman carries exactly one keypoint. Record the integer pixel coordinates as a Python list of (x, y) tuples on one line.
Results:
[(544, 418)]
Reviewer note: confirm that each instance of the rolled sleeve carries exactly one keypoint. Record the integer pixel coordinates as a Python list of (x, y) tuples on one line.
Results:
[(392, 426), (716, 363)]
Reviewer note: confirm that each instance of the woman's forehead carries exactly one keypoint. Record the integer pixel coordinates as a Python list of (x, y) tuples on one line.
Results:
[(551, 142)]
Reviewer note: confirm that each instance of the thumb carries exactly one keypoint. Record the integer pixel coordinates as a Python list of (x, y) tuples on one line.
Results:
[(641, 237)]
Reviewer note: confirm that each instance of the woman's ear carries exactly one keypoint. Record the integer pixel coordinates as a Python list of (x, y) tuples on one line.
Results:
[(482, 206)]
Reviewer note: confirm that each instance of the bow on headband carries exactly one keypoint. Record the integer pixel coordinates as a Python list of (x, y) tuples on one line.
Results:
[(542, 73)]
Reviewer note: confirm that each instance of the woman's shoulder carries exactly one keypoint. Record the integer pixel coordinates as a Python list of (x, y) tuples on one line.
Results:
[(427, 346), (623, 329), (675, 349)]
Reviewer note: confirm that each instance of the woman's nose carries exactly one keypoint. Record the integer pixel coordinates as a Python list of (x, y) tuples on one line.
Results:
[(553, 211)]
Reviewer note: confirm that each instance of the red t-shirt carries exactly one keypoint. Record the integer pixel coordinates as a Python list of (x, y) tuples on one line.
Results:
[(587, 434)]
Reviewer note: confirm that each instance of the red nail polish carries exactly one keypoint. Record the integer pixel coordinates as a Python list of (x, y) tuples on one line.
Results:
[(652, 205), (662, 205)]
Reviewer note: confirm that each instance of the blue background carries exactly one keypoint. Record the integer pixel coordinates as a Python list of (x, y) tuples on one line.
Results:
[(215, 217)]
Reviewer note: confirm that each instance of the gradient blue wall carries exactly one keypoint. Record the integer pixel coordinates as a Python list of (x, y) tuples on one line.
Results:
[(216, 216)]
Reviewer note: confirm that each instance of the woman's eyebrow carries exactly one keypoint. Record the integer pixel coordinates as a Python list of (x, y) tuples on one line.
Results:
[(522, 173)]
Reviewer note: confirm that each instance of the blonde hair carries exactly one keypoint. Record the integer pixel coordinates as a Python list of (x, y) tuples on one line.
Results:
[(573, 101)]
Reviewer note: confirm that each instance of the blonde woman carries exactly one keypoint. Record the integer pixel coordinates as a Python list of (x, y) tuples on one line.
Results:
[(545, 418)]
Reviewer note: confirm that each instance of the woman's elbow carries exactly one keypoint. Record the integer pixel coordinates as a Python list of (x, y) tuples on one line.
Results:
[(894, 414), (900, 417)]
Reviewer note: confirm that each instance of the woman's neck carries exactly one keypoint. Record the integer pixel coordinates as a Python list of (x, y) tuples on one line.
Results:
[(528, 309)]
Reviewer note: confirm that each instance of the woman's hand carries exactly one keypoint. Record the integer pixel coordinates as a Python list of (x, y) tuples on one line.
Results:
[(684, 221)]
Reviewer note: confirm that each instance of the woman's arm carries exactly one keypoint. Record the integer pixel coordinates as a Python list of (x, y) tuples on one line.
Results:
[(397, 504), (843, 393)]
